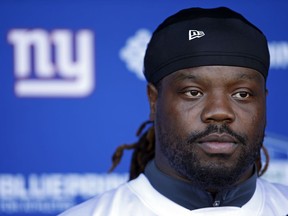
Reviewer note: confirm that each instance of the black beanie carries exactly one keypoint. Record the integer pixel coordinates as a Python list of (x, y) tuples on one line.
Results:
[(201, 37)]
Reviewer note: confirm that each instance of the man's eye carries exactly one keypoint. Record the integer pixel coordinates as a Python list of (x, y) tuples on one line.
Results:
[(193, 93), (241, 95)]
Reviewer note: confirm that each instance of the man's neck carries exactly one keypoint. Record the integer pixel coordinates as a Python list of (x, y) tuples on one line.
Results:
[(189, 196)]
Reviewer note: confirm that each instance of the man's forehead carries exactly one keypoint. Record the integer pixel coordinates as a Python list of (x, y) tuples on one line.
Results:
[(203, 72)]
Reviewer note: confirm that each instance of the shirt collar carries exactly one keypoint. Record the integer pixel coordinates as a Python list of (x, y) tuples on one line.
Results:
[(192, 197)]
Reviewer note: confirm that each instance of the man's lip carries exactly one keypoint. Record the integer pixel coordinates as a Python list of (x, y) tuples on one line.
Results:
[(218, 138), (218, 144)]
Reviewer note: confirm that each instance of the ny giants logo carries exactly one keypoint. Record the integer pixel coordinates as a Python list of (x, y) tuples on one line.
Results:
[(55, 64)]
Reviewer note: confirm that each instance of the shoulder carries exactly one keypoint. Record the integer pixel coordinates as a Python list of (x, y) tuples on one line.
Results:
[(85, 208), (273, 189), (110, 202), (98, 202)]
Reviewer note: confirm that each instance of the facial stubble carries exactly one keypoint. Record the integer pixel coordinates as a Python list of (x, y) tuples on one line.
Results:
[(183, 156)]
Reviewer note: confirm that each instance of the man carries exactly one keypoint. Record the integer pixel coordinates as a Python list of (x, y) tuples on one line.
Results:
[(206, 71)]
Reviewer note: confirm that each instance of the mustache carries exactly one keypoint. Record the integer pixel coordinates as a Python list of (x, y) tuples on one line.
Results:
[(193, 137)]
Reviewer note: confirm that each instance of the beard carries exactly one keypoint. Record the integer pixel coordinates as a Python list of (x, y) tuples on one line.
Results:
[(219, 171)]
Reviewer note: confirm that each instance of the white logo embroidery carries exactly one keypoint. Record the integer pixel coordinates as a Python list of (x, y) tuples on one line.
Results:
[(195, 34), (39, 75)]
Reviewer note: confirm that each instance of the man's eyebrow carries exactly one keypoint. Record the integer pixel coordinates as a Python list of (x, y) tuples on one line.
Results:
[(246, 76), (183, 77)]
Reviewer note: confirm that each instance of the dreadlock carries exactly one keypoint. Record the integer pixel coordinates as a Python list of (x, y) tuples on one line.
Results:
[(144, 152)]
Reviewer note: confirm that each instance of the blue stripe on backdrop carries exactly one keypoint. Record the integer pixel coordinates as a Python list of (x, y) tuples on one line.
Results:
[(62, 119)]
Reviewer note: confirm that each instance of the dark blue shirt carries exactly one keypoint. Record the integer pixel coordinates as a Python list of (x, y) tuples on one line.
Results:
[(192, 197)]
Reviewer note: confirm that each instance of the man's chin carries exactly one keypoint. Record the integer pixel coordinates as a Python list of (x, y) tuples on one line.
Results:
[(214, 177)]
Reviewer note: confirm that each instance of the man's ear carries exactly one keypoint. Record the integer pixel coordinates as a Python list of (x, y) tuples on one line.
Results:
[(152, 96)]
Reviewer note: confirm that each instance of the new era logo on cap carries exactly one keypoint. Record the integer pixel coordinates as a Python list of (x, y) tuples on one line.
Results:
[(195, 34)]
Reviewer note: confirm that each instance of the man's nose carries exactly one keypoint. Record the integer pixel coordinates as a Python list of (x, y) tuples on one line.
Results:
[(217, 109)]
